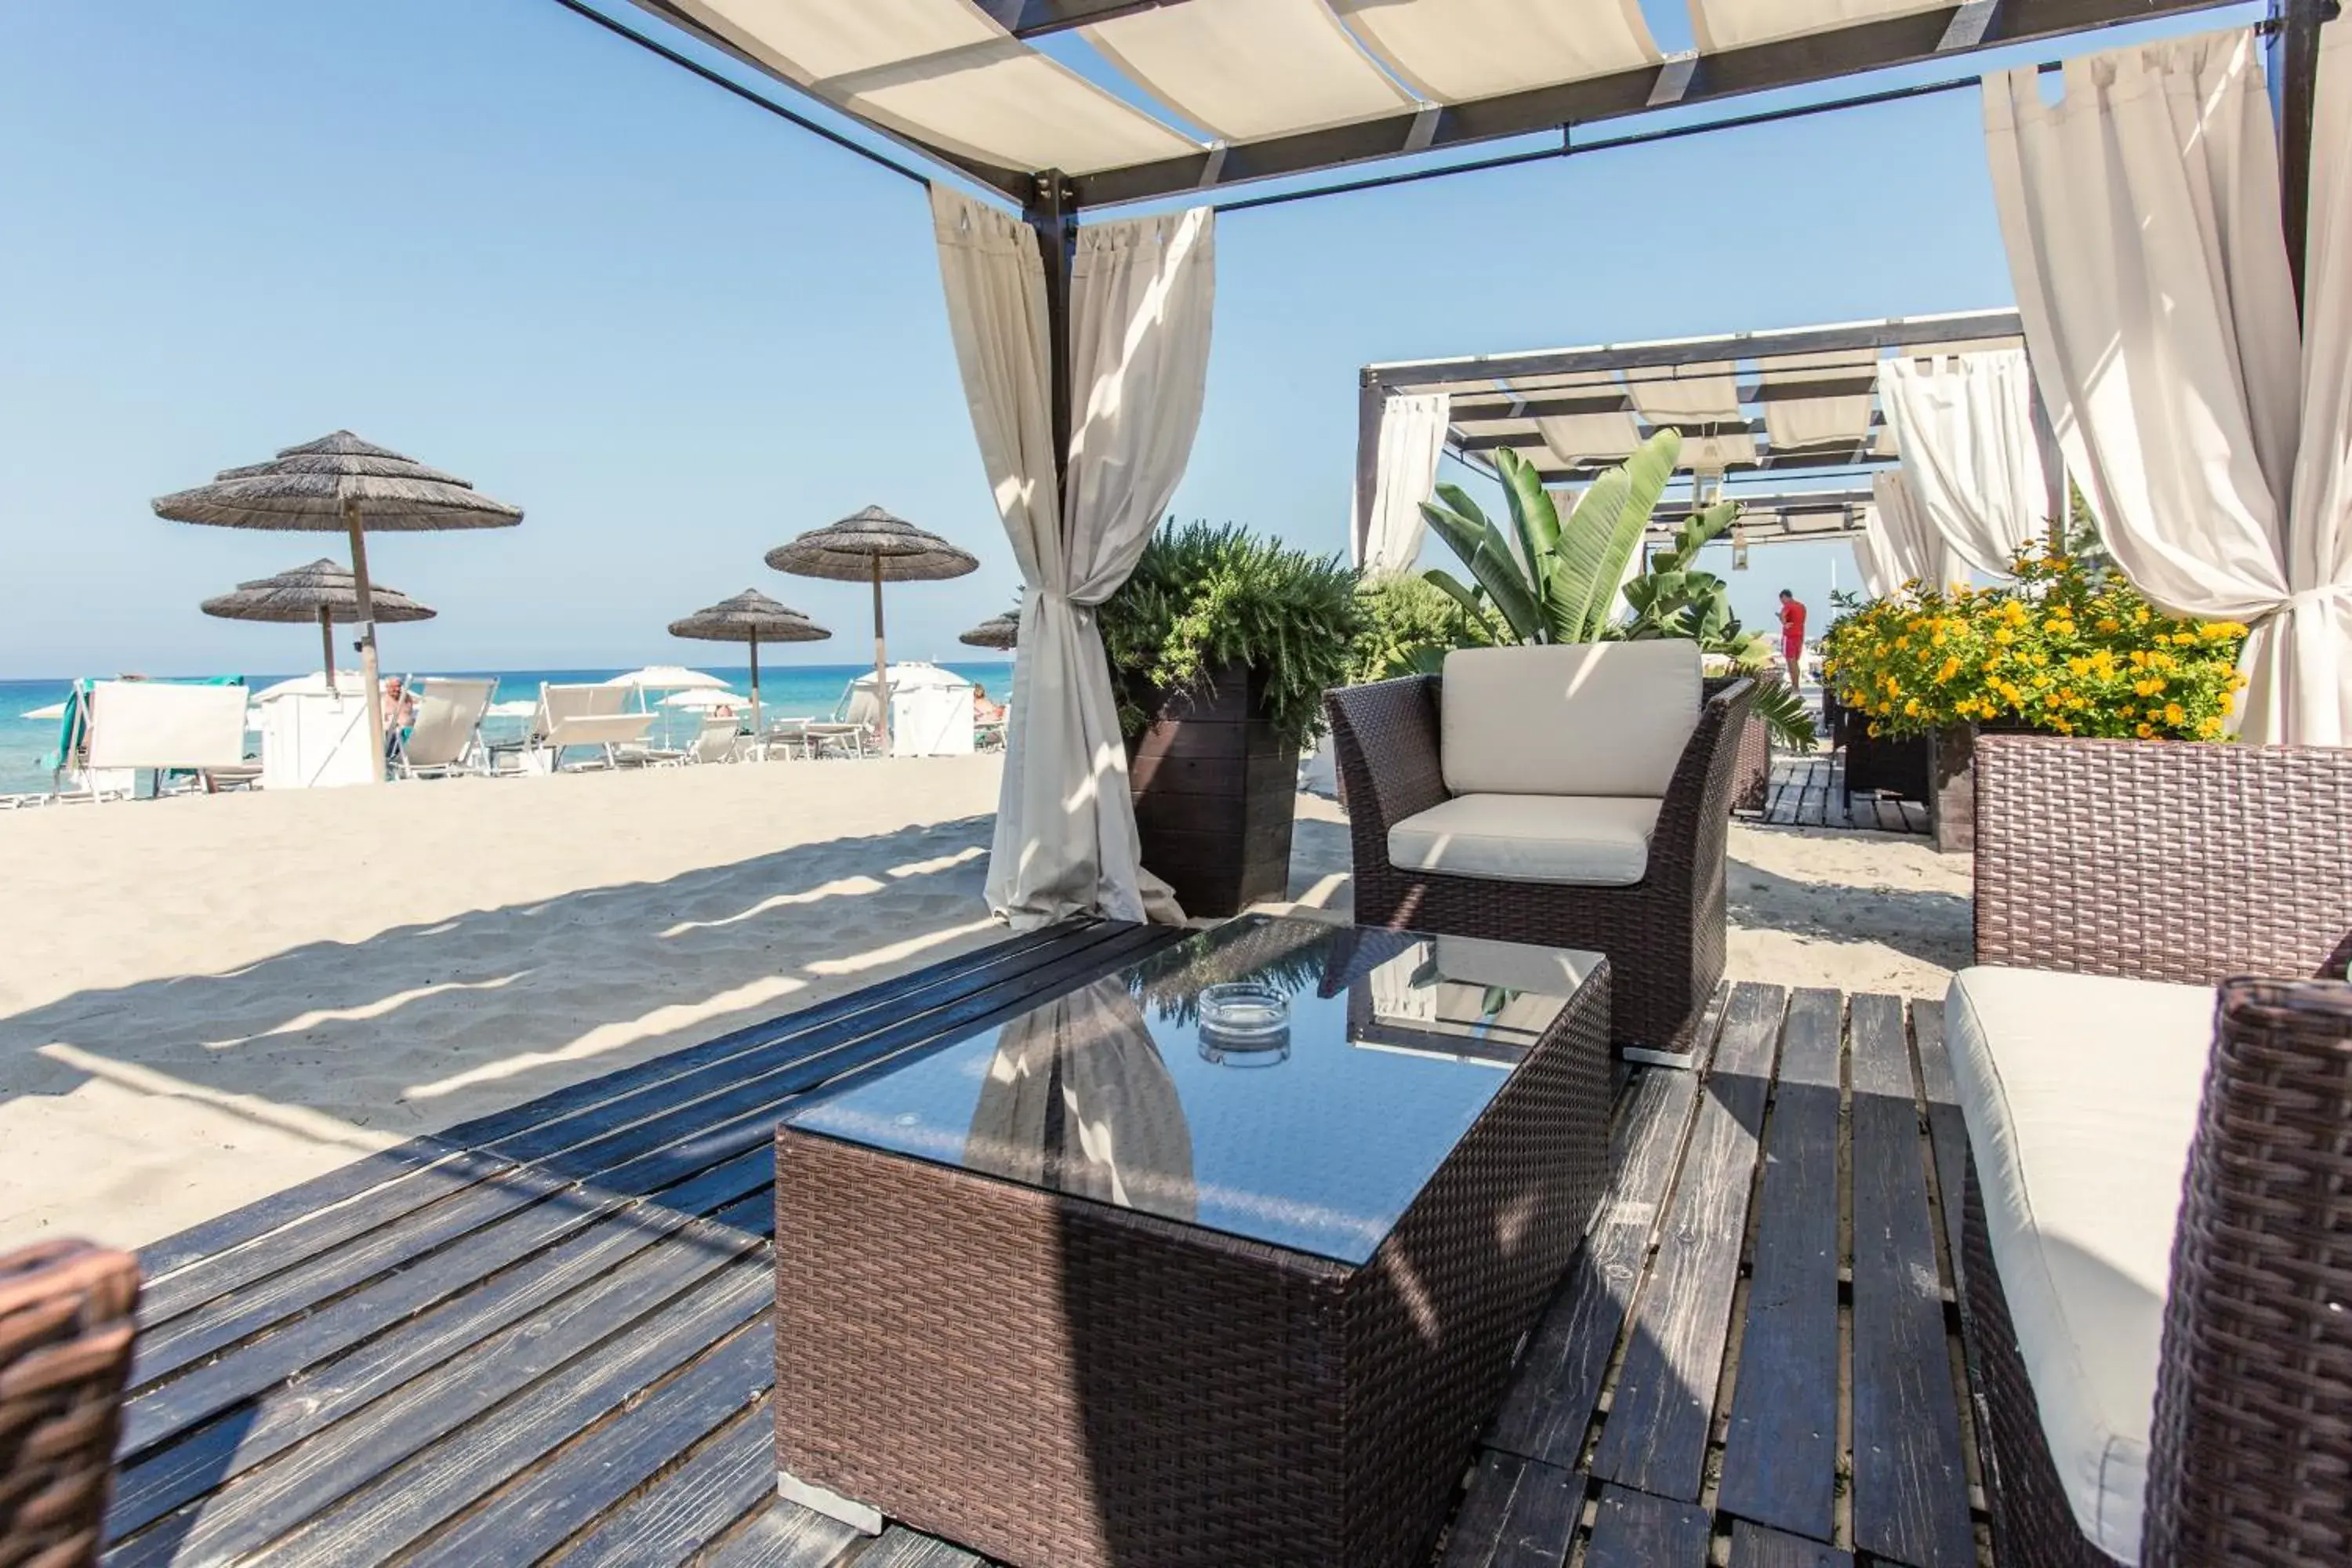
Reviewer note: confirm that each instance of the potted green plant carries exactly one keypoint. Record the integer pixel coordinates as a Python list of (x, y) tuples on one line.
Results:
[(1222, 643), (2067, 648), (1572, 580)]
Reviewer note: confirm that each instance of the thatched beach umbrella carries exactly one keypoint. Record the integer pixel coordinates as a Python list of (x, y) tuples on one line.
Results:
[(750, 617), (341, 484), (1001, 632), (321, 592), (873, 546)]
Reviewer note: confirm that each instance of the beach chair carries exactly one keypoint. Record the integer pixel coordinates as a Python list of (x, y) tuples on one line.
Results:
[(592, 715), (127, 725), (717, 741), (66, 1329), (446, 737)]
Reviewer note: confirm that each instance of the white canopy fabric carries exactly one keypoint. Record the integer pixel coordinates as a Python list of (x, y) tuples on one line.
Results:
[(2141, 216), (1873, 557), (1915, 551), (1965, 423), (1793, 420), (1446, 49), (1143, 295), (944, 72), (1413, 438), (1698, 393), (1712, 453), (1573, 437), (1736, 24), (1245, 69)]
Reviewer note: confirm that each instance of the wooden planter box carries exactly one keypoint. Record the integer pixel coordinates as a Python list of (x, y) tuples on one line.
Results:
[(1214, 791)]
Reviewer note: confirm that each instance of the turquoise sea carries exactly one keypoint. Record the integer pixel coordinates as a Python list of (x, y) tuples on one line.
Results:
[(791, 690)]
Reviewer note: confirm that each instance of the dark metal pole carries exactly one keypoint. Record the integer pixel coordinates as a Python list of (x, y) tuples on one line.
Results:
[(1371, 400), (1051, 213), (2298, 67)]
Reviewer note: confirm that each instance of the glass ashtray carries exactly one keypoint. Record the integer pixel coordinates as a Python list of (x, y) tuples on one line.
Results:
[(1244, 1024)]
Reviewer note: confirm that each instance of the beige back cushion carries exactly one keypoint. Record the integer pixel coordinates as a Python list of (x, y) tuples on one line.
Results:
[(1587, 719)]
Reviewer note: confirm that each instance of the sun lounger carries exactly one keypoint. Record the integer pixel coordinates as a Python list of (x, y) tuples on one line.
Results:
[(578, 716), (446, 737), (126, 725)]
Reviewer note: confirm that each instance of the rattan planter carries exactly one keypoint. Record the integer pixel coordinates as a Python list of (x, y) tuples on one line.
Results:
[(1215, 790)]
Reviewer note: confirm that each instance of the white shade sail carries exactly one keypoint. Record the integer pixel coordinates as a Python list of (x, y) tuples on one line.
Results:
[(1573, 437), (1446, 49), (1965, 423), (1736, 24), (1245, 69), (2142, 220), (1412, 439), (1695, 394), (1712, 453), (1792, 419), (945, 73)]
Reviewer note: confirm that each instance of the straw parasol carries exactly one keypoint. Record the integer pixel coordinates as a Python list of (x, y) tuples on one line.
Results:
[(750, 617), (1001, 632), (341, 484), (873, 546), (322, 592)]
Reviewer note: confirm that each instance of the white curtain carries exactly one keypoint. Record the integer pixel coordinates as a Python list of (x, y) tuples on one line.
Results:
[(2142, 220), (1914, 548), (1964, 424), (1141, 295), (1873, 557), (1413, 438)]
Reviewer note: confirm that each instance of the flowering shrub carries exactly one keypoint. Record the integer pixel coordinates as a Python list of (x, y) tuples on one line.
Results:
[(2063, 648)]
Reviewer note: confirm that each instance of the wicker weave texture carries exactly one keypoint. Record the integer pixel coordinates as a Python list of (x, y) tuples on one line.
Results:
[(2033, 1523), (1061, 1384), (1751, 777), (1664, 936), (2253, 1446), (66, 1333), (2163, 860)]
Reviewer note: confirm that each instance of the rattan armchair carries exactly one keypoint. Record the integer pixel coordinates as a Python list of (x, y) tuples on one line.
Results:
[(2190, 864), (1664, 936), (65, 1334)]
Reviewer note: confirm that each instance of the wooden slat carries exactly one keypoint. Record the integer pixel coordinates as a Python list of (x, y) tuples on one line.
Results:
[(1753, 1546), (902, 1548), (1816, 797), (1780, 1460), (1551, 1401), (1915, 817), (1656, 1438), (1517, 1513), (421, 1413), (306, 1220), (424, 1491), (785, 1535), (565, 1492), (1948, 1129), (732, 1474), (1910, 1483), (1635, 1530)]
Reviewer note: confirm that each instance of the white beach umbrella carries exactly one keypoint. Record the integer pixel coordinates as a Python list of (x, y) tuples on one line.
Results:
[(666, 678), (54, 711), (703, 698), (519, 708)]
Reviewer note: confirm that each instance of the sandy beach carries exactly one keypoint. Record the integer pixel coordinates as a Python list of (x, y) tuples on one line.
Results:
[(206, 1000)]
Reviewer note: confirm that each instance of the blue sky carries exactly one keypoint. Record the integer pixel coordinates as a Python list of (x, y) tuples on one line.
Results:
[(677, 331)]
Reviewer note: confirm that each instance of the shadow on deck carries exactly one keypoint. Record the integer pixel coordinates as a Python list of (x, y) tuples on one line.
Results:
[(544, 1337)]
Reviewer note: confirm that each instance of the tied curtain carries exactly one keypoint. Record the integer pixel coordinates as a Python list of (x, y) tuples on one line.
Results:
[(1141, 296), (1873, 557), (1911, 548), (2211, 432), (1413, 438), (1964, 424)]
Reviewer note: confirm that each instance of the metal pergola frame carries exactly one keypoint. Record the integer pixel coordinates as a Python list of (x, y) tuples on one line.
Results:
[(1051, 202)]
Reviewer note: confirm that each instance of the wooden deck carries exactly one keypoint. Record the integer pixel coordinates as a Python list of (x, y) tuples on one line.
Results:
[(543, 1337), (1810, 792)]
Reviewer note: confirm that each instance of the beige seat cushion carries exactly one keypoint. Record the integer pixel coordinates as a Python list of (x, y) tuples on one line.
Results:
[(2081, 1096), (1597, 719), (1581, 840)]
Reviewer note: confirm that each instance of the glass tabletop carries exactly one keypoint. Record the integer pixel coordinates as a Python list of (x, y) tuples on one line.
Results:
[(1284, 1080)]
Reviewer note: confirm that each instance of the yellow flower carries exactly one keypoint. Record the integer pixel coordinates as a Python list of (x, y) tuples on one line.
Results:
[(2173, 714), (1912, 707), (2004, 636), (2209, 728), (2109, 623), (1950, 667), (2228, 703), (2144, 733)]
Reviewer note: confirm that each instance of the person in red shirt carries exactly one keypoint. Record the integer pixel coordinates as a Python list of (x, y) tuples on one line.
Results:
[(1792, 638)]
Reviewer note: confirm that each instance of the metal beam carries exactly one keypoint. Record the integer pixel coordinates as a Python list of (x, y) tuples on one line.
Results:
[(1537, 405), (1472, 441), (2298, 68), (1554, 471), (1733, 73), (1035, 18), (1896, 332)]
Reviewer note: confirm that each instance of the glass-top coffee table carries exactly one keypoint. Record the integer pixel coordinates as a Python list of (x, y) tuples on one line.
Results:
[(1223, 1257)]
